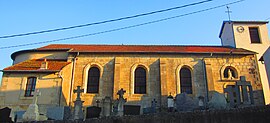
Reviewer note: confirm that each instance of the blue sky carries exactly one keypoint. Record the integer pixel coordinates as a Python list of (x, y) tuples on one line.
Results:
[(24, 16)]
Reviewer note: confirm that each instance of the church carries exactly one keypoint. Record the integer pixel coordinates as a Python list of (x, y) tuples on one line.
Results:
[(145, 72)]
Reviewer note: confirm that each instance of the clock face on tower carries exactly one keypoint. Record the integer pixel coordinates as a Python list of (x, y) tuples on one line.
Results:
[(240, 29)]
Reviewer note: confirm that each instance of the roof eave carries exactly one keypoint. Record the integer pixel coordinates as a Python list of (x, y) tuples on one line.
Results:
[(31, 71), (248, 52), (13, 55)]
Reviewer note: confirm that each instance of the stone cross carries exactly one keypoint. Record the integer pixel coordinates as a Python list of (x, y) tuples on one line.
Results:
[(78, 104), (106, 106), (36, 94), (230, 90), (121, 92), (78, 91), (97, 102), (121, 102), (32, 113), (244, 84), (154, 103)]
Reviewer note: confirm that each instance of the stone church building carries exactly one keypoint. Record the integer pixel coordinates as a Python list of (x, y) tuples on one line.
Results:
[(146, 72)]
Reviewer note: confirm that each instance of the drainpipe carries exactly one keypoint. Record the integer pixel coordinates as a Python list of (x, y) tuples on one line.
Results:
[(60, 89), (72, 77)]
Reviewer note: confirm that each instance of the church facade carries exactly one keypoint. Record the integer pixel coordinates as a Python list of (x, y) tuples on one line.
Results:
[(145, 72)]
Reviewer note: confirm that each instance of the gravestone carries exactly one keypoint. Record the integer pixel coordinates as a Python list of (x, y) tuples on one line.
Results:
[(201, 103), (132, 109), (233, 95), (97, 102), (170, 103), (240, 94), (58, 113), (106, 106), (218, 101), (78, 104), (4, 115), (67, 113), (32, 113), (247, 92), (185, 103), (148, 110), (19, 115), (152, 109), (93, 112), (114, 107), (154, 105), (120, 102)]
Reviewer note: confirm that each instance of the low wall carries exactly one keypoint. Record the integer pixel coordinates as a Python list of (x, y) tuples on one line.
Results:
[(240, 115)]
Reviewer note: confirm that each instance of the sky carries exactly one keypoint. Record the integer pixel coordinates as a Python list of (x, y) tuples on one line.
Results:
[(23, 16)]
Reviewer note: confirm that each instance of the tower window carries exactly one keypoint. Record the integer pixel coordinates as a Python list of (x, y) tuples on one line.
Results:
[(254, 35)]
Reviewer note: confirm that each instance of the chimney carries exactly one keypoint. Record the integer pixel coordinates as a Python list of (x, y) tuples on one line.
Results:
[(44, 64)]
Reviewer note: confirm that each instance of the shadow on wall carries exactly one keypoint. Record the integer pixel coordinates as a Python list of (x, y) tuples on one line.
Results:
[(17, 101)]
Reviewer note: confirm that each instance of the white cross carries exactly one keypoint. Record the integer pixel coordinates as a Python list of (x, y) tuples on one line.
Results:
[(36, 94)]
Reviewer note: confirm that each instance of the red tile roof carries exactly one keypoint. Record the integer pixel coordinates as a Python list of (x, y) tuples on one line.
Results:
[(35, 64), (146, 49)]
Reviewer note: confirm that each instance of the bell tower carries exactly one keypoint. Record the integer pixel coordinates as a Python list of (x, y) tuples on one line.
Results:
[(250, 35)]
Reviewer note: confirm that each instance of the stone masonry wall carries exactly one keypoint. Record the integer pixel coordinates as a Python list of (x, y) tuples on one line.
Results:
[(244, 65), (117, 71)]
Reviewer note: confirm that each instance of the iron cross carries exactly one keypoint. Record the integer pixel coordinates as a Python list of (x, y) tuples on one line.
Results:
[(228, 11)]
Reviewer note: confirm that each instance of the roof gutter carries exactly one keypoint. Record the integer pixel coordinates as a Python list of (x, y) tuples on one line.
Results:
[(243, 53)]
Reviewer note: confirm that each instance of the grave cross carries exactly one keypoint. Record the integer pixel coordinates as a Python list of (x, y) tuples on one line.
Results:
[(243, 85), (121, 93), (36, 94), (154, 103), (97, 102), (78, 91)]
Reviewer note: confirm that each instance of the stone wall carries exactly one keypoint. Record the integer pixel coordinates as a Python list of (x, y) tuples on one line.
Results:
[(84, 62), (244, 65), (117, 71)]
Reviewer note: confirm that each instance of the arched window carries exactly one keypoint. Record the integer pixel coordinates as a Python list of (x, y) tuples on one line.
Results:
[(140, 81), (185, 81), (229, 73), (30, 86), (93, 80)]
